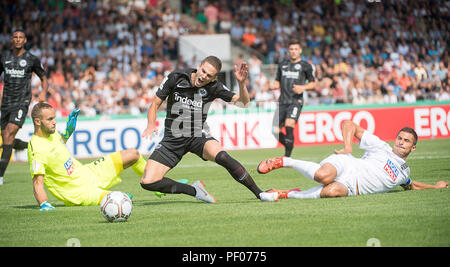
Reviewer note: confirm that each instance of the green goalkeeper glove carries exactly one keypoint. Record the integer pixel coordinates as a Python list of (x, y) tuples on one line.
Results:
[(46, 206), (71, 124)]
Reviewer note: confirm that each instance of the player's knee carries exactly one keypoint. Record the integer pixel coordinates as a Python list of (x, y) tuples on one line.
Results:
[(134, 153), (129, 157), (334, 190), (323, 176), (150, 180)]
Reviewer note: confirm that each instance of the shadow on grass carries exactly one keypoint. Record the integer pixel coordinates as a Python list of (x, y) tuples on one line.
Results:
[(193, 202), (36, 207)]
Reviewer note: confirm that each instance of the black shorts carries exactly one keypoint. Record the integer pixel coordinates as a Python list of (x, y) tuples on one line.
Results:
[(287, 111), (171, 149), (15, 115)]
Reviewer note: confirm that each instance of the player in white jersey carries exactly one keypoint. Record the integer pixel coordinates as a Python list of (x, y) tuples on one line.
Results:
[(379, 170)]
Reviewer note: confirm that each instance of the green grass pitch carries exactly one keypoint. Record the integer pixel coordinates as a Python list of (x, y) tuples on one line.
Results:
[(399, 218)]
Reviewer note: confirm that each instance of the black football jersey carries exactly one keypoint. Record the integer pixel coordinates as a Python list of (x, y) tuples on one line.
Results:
[(17, 77), (289, 74), (187, 105)]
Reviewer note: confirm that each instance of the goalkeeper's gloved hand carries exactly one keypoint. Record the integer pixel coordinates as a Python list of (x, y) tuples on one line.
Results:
[(46, 206), (71, 124)]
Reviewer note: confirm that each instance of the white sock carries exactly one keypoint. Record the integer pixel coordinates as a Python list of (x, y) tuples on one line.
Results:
[(307, 168), (310, 193)]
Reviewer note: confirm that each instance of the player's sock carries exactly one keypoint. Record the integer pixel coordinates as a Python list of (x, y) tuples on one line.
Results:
[(237, 171), (289, 141), (19, 144), (310, 193), (307, 168), (169, 186), (4, 160), (139, 166)]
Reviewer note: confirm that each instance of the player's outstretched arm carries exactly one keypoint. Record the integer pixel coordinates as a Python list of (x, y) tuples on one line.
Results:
[(43, 94), (39, 193), (241, 74), (415, 185), (71, 124), (151, 118), (349, 131)]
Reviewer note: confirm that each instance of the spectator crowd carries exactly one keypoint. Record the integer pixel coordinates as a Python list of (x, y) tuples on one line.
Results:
[(105, 57), (109, 57), (364, 52)]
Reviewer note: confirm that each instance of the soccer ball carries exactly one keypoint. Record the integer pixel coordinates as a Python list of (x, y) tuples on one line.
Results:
[(116, 206)]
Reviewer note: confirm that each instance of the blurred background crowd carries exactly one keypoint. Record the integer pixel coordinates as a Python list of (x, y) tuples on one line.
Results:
[(109, 57)]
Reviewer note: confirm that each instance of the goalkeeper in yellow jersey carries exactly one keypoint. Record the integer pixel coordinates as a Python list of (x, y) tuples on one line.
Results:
[(65, 177)]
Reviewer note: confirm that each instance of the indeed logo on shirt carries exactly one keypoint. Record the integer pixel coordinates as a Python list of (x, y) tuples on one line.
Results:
[(197, 102), (290, 74), (69, 166), (391, 170), (15, 73)]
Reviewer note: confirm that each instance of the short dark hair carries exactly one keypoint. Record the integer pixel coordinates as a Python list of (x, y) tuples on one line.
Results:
[(22, 30), (294, 42), (214, 61), (411, 131), (36, 111)]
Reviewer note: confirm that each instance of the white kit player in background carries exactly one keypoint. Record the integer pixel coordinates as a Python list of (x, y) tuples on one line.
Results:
[(381, 168)]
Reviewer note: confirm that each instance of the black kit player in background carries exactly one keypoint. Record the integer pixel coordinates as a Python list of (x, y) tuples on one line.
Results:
[(293, 76), (189, 93), (18, 66)]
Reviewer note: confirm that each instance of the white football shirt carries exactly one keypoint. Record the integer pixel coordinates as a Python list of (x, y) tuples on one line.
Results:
[(379, 170)]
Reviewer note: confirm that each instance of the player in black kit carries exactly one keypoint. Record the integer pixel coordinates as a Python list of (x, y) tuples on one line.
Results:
[(293, 76), (189, 93), (17, 66)]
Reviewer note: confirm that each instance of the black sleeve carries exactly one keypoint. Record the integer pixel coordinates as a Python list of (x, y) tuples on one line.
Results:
[(310, 74), (38, 68), (166, 86), (224, 93), (278, 74)]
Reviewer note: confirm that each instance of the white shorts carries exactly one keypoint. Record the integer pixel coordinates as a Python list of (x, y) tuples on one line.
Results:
[(346, 171)]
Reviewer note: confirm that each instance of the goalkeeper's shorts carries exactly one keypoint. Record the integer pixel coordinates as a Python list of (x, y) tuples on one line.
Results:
[(104, 173)]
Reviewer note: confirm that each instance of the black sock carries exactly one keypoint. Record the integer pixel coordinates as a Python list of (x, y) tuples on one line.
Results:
[(169, 186), (6, 156), (289, 141), (237, 171), (19, 144)]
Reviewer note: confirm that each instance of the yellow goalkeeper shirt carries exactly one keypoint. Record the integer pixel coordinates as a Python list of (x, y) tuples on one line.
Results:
[(63, 174)]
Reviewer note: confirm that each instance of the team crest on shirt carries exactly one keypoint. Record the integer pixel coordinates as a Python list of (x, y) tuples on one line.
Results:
[(69, 166), (297, 66), (202, 92), (23, 63), (391, 170)]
